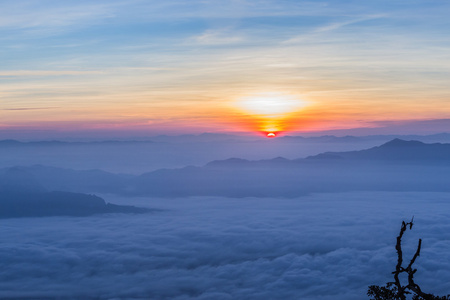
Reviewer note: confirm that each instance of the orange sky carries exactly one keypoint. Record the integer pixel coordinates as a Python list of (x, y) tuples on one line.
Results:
[(186, 68)]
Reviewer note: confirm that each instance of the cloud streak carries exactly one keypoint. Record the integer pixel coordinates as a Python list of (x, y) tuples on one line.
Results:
[(155, 59), (30, 108), (39, 15), (22, 73)]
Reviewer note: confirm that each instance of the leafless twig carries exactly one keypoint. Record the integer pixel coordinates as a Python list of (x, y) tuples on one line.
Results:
[(395, 290)]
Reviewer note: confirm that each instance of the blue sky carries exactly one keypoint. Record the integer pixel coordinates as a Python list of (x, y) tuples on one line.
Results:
[(184, 63)]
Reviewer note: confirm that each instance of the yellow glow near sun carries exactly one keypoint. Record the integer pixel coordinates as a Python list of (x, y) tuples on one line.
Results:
[(270, 126), (271, 112), (271, 104)]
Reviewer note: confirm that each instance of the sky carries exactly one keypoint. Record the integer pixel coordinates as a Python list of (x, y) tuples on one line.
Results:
[(222, 66)]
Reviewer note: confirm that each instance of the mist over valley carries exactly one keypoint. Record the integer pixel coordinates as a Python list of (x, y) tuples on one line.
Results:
[(234, 228)]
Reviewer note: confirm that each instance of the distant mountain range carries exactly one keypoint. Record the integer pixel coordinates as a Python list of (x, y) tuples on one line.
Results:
[(15, 143), (396, 150), (16, 204), (397, 165), (212, 137), (23, 195), (136, 157), (44, 178)]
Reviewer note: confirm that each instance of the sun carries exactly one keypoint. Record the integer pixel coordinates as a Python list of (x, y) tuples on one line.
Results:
[(270, 113)]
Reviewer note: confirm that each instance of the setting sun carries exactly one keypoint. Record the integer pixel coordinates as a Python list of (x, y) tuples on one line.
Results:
[(269, 112)]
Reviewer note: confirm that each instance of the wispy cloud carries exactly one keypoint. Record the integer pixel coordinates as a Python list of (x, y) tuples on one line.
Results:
[(51, 18), (167, 55), (338, 25), (30, 108), (314, 33), (20, 73), (217, 37)]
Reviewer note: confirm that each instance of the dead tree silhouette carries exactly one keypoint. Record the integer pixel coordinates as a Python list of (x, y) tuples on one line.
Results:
[(395, 290)]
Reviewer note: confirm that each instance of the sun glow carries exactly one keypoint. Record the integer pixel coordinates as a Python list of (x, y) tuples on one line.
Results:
[(270, 111), (270, 104)]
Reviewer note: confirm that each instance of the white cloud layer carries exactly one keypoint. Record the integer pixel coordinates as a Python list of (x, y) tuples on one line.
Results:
[(321, 247)]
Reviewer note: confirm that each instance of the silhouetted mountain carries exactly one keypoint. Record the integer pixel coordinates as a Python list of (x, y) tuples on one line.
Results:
[(18, 203), (396, 150), (30, 192), (397, 165), (150, 154), (325, 138), (217, 180), (238, 162), (394, 166), (15, 143), (17, 178), (9, 143), (228, 162), (52, 178)]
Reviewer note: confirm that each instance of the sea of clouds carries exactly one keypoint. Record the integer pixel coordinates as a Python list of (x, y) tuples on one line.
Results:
[(322, 247)]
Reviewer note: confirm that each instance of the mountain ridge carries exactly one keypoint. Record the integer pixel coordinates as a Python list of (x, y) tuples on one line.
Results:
[(395, 150), (393, 166)]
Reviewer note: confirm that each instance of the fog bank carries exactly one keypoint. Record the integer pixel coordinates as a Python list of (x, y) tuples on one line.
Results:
[(321, 247)]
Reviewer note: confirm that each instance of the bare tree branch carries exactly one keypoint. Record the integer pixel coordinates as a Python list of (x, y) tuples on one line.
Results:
[(395, 290)]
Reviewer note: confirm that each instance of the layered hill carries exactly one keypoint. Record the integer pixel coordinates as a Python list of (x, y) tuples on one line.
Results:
[(23, 195), (397, 165), (396, 150)]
